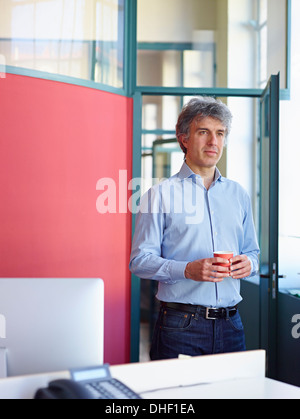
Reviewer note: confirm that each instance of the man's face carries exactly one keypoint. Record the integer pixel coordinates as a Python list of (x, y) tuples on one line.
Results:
[(206, 142)]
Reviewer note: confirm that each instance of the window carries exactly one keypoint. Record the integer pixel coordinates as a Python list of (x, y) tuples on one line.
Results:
[(176, 64), (77, 38), (210, 43)]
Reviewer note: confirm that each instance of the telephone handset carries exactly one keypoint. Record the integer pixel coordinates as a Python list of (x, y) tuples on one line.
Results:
[(87, 383), (63, 389)]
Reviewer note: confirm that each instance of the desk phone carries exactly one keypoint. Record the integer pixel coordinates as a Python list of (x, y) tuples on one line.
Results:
[(87, 383)]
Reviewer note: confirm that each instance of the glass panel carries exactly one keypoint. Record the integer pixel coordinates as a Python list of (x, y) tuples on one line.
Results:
[(159, 68), (76, 38), (199, 68), (161, 112), (167, 158), (161, 158), (241, 144), (239, 161), (183, 67), (198, 43)]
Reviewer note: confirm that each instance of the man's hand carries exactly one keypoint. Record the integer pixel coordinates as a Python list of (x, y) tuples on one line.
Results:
[(205, 270), (241, 267)]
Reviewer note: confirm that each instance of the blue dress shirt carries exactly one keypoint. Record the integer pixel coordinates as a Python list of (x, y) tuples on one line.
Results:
[(180, 221)]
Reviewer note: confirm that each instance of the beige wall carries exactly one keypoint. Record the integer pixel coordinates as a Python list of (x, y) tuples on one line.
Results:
[(277, 39), (174, 20)]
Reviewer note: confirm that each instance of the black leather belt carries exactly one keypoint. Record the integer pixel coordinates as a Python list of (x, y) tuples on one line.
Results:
[(209, 313)]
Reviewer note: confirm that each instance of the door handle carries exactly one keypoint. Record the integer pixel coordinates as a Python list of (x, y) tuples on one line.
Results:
[(274, 282)]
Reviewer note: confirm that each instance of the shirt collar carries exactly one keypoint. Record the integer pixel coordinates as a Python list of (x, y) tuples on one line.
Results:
[(186, 172)]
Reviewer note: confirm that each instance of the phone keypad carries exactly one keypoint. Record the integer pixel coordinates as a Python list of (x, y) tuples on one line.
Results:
[(112, 389)]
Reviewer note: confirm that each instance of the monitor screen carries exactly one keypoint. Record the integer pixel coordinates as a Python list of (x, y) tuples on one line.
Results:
[(50, 324)]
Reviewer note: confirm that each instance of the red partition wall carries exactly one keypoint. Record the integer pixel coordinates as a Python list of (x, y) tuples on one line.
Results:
[(56, 141)]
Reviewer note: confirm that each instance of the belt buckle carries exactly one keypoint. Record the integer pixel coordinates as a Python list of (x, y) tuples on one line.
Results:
[(207, 316)]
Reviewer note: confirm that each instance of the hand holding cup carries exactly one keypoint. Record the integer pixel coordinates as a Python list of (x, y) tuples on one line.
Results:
[(226, 256)]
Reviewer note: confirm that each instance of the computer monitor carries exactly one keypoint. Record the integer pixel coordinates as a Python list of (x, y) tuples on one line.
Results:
[(50, 324)]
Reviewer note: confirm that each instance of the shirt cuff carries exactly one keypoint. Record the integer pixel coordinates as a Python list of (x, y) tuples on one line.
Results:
[(254, 267), (176, 271)]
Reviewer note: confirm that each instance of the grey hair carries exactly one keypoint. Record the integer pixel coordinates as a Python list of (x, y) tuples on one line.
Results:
[(202, 107)]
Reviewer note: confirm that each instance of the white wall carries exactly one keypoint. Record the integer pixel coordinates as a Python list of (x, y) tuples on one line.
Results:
[(241, 74), (289, 207)]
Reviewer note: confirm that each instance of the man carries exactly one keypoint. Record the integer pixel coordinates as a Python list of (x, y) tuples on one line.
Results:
[(181, 223)]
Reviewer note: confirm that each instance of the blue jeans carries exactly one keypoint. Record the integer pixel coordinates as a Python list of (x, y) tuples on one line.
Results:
[(178, 332)]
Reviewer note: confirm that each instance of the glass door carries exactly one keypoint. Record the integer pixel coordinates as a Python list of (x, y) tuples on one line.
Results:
[(269, 165)]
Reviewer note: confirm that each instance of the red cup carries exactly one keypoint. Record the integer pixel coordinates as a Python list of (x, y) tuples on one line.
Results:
[(224, 255)]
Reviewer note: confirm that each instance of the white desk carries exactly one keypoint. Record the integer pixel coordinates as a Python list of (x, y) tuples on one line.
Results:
[(230, 376)]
